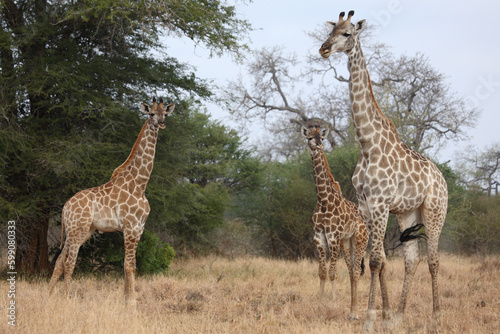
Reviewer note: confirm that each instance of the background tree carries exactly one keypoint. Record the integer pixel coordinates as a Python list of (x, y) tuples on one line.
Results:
[(426, 112), (72, 75), (481, 169)]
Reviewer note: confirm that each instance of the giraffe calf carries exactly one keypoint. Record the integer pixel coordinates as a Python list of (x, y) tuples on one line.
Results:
[(118, 205), (337, 221)]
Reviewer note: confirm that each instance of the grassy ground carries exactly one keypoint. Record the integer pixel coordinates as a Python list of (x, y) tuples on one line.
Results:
[(255, 295)]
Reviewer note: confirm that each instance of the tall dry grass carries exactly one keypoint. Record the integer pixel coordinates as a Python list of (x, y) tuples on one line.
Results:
[(256, 295)]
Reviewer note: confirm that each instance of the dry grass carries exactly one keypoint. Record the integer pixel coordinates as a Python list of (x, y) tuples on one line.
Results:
[(256, 295)]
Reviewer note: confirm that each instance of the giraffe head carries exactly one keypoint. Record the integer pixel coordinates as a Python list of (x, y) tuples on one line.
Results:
[(314, 135), (342, 36), (157, 113)]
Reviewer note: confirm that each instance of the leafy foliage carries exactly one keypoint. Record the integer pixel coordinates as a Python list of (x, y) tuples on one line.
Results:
[(478, 231), (72, 76), (106, 252)]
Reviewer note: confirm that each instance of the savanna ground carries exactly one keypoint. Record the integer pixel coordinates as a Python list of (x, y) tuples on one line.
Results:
[(255, 295)]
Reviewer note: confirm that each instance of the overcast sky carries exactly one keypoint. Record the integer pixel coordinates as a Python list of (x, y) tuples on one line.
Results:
[(460, 38)]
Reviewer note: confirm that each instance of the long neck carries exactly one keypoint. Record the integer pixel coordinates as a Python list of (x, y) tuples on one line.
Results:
[(325, 183), (136, 170), (367, 117)]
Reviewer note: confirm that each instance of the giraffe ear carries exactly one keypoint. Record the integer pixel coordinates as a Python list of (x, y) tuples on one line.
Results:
[(169, 108), (324, 132), (145, 108), (304, 131), (331, 25), (360, 26)]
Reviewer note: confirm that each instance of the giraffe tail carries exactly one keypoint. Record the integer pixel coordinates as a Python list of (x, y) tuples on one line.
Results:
[(411, 233), (59, 250), (362, 266)]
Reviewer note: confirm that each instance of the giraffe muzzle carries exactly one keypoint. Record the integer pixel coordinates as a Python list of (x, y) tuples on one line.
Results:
[(324, 54), (324, 51)]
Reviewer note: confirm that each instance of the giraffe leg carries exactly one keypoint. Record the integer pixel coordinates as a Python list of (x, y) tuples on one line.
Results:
[(131, 240), (58, 270), (69, 264), (74, 243), (433, 261), (433, 225), (65, 264), (359, 242), (349, 257), (378, 265), (333, 241), (321, 245), (412, 259)]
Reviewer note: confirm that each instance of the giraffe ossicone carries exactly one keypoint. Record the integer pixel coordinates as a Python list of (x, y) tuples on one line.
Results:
[(118, 205), (389, 178), (337, 221)]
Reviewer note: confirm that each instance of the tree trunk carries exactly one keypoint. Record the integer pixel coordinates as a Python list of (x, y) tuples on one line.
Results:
[(33, 250)]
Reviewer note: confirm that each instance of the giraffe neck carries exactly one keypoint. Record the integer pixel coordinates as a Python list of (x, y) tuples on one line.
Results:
[(367, 117), (325, 183), (136, 170)]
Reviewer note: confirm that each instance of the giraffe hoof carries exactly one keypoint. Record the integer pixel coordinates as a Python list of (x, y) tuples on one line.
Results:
[(368, 327), (371, 316), (353, 317)]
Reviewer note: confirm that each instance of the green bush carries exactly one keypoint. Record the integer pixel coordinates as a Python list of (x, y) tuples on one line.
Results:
[(478, 231), (106, 253)]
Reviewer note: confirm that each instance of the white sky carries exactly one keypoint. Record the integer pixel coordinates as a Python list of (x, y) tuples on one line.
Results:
[(460, 38)]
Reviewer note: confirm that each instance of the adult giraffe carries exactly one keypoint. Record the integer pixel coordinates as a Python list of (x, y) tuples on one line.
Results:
[(337, 221), (389, 178), (118, 205)]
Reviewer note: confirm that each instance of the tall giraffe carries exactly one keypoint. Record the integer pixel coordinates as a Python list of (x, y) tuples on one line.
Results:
[(389, 178), (118, 205), (337, 221)]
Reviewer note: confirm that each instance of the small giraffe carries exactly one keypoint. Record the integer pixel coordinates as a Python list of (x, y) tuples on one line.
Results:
[(337, 221), (389, 178), (118, 205)]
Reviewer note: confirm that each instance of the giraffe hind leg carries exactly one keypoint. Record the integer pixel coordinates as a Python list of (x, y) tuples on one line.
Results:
[(409, 224), (58, 269), (347, 246), (433, 224), (73, 245), (321, 245)]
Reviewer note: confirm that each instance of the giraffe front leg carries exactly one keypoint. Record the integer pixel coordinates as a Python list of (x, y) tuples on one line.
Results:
[(131, 241), (359, 242), (347, 250), (321, 245), (378, 267), (333, 241)]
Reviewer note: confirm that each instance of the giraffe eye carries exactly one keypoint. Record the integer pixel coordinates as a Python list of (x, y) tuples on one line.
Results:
[(347, 35)]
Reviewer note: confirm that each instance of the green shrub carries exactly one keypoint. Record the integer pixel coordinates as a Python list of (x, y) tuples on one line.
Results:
[(478, 231), (153, 255), (106, 253)]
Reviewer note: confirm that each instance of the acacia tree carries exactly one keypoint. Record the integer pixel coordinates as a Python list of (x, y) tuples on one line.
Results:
[(408, 90), (72, 75)]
